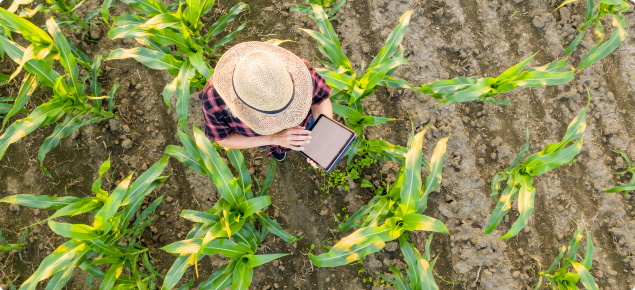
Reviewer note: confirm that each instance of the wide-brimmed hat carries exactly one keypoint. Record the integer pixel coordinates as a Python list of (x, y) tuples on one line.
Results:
[(267, 87)]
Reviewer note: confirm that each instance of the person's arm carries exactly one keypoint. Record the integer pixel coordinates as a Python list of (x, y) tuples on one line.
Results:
[(324, 108), (292, 138)]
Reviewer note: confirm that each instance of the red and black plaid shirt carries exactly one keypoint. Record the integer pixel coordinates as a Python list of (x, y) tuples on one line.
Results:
[(220, 123)]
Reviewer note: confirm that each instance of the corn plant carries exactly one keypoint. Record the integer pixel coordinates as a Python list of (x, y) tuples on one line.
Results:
[(468, 89), (387, 216), (333, 4), (592, 16), (520, 177), (59, 6), (419, 272), (564, 280), (349, 88), (5, 246), (69, 100), (626, 188), (157, 27), (231, 217), (102, 241)]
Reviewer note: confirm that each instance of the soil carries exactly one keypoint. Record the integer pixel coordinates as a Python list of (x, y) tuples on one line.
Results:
[(445, 39)]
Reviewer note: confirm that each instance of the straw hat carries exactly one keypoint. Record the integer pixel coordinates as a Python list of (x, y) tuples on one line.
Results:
[(267, 87)]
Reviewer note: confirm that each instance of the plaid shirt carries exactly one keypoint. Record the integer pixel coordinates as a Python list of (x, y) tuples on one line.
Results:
[(220, 123)]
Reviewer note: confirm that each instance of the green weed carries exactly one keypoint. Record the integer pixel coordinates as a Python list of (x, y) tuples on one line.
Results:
[(626, 188)]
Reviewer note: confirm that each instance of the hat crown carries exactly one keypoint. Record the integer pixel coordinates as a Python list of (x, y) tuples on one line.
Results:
[(262, 82)]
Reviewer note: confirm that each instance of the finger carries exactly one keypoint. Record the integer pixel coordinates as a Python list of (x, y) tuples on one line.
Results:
[(296, 148), (299, 132), (298, 138)]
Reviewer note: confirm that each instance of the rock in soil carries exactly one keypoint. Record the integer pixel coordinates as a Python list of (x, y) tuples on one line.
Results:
[(127, 144), (95, 32), (14, 208)]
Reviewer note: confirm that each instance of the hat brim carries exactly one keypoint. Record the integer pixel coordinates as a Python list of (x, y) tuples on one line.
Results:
[(263, 123)]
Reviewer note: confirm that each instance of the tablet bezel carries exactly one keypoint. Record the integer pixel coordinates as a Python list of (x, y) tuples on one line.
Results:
[(342, 150)]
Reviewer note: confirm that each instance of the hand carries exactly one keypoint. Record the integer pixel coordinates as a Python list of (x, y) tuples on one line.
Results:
[(293, 138), (312, 163)]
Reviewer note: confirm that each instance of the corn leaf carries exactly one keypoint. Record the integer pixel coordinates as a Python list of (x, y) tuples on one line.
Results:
[(624, 187), (533, 79), (111, 205), (257, 260), (177, 270), (545, 163), (526, 196), (67, 59), (588, 257), (410, 189), (45, 74), (441, 89), (52, 264), (29, 83), (22, 127), (347, 112), (199, 217), (324, 25), (29, 31), (502, 207), (330, 49), (339, 81), (556, 66), (244, 177), (147, 7), (242, 277), (228, 37), (59, 280), (111, 276), (513, 72), (220, 279), (433, 181), (251, 206), (183, 90), (418, 222), (138, 189), (609, 46), (275, 228), (220, 174), (472, 93), (355, 247), (77, 232), (148, 57), (585, 277), (182, 155), (222, 22), (40, 201), (393, 41), (198, 61)]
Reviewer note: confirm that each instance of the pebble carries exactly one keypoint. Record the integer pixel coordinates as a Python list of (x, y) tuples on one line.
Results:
[(391, 246), (36, 211), (169, 199), (75, 134), (14, 207), (275, 285), (538, 22), (126, 129), (95, 32), (127, 144), (114, 124)]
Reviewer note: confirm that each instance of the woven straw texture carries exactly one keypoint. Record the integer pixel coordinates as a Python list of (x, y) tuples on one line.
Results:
[(264, 75)]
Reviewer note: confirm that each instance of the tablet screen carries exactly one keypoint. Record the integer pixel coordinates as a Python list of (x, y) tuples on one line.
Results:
[(328, 139)]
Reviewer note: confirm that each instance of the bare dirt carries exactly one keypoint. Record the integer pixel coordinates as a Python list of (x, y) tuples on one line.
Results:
[(445, 39)]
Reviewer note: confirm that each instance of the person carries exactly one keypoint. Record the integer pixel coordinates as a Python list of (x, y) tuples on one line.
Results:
[(262, 95)]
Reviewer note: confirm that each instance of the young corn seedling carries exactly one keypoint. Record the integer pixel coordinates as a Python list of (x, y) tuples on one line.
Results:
[(5, 246), (562, 279), (59, 6), (103, 241), (626, 188), (593, 15), (349, 88), (231, 217), (69, 100), (333, 4), (419, 272), (157, 27), (521, 176), (386, 217), (468, 89)]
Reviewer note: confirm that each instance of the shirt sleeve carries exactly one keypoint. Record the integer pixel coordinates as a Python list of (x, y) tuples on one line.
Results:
[(216, 126), (321, 91)]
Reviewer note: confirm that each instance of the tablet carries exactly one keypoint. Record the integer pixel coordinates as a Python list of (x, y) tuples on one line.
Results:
[(329, 142)]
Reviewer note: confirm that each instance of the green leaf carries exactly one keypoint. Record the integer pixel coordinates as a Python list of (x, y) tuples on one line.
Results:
[(67, 59), (105, 14), (275, 228), (556, 66), (94, 84), (339, 81), (532, 79), (374, 121), (22, 127), (111, 96), (60, 279), (393, 41), (14, 50), (220, 279), (624, 187), (40, 201), (433, 181), (177, 270), (356, 246), (526, 196), (54, 263), (513, 72), (418, 222), (472, 93), (199, 217), (324, 25), (565, 3), (585, 277), (183, 90), (228, 37), (257, 260), (347, 112), (556, 262), (29, 83), (139, 189), (575, 42), (112, 275), (243, 275), (502, 207), (148, 57), (182, 155), (146, 212), (111, 205), (410, 189), (574, 131), (251, 206), (198, 61), (29, 31), (220, 174), (45, 74), (224, 20), (77, 232), (588, 257), (330, 49), (545, 163), (609, 46), (244, 177), (147, 7), (441, 89), (104, 249)]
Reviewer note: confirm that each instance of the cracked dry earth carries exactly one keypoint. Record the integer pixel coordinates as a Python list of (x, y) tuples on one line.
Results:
[(445, 39)]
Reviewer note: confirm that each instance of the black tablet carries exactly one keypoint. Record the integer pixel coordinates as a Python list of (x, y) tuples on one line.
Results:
[(329, 142)]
